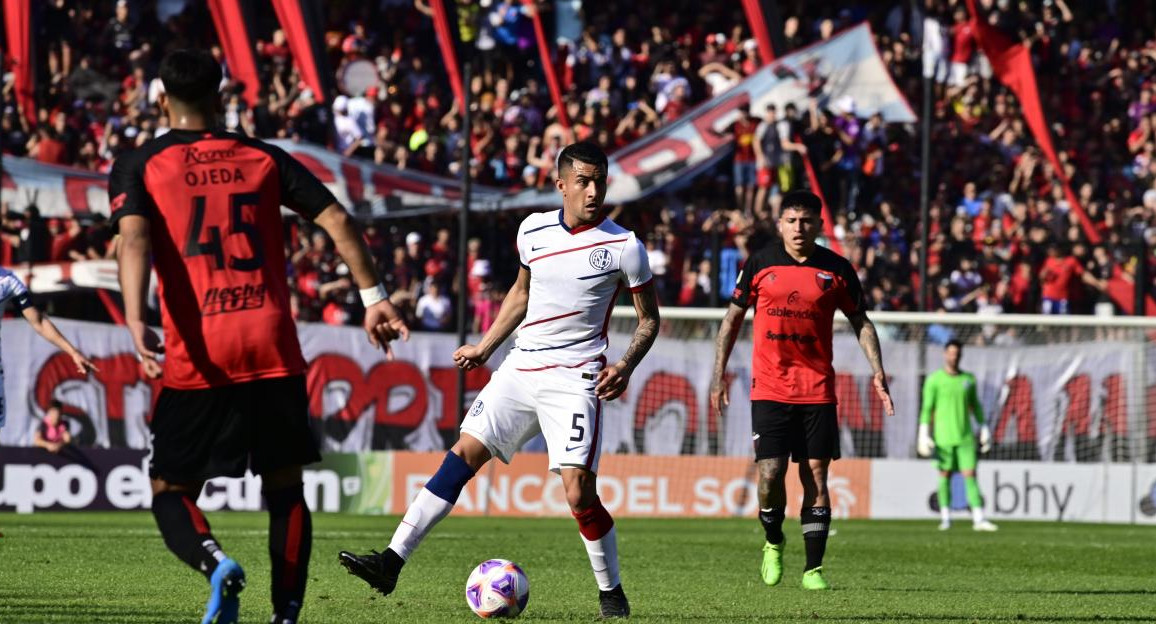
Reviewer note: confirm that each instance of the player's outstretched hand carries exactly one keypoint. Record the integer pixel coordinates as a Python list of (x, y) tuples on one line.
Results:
[(382, 324), (884, 393), (470, 356), (719, 397), (148, 348), (83, 364), (612, 382)]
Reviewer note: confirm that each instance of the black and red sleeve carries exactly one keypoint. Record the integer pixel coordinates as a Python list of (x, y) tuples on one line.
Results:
[(745, 293), (852, 299), (127, 194), (301, 191)]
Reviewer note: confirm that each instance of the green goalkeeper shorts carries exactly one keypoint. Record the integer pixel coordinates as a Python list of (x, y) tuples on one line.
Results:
[(956, 458)]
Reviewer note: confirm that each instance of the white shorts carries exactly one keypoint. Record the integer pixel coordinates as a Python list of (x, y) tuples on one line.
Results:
[(523, 399), (959, 74), (935, 67)]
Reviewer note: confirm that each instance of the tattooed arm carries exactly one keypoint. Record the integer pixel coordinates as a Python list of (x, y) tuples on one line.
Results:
[(728, 331), (869, 342), (612, 380)]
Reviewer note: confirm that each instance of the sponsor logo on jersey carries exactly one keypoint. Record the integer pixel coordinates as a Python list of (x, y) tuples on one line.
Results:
[(794, 337), (793, 298), (235, 299), (195, 155), (117, 202), (600, 258), (824, 280), (792, 313)]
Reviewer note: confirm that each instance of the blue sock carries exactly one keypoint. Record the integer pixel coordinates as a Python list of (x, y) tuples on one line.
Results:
[(451, 477)]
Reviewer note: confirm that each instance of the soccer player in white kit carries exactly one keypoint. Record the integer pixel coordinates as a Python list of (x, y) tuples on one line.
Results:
[(14, 290), (574, 261)]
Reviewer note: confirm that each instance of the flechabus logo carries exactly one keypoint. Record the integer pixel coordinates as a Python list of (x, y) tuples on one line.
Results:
[(222, 300)]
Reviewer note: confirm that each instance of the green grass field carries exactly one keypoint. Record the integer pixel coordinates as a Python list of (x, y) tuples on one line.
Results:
[(113, 567)]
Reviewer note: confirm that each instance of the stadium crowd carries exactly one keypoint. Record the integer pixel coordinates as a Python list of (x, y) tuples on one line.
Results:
[(1003, 237)]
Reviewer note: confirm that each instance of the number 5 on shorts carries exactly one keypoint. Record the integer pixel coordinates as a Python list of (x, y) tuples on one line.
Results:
[(577, 427)]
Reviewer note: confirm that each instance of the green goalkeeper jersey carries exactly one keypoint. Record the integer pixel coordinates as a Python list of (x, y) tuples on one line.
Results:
[(950, 398)]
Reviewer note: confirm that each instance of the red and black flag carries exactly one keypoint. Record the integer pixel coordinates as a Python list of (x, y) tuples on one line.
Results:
[(304, 25), (18, 32), (235, 20), (448, 44)]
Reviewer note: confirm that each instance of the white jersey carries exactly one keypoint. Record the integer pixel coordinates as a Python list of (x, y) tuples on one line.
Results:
[(11, 289), (575, 276)]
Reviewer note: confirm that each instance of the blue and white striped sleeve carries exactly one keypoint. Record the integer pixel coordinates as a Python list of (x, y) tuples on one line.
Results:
[(12, 288)]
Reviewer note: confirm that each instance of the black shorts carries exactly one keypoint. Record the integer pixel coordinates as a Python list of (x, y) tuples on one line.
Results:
[(803, 431), (262, 425)]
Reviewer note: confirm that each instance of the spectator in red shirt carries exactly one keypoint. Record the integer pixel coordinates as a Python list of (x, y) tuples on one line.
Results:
[(962, 48), (1059, 276), (743, 132)]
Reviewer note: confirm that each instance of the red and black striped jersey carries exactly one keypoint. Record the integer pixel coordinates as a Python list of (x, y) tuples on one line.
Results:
[(213, 200), (795, 307)]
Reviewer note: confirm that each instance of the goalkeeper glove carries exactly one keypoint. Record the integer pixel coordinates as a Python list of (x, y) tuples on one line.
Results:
[(984, 439), (924, 445)]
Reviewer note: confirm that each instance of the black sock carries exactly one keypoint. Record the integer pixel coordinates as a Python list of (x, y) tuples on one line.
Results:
[(772, 520), (816, 522), (290, 543), (186, 531)]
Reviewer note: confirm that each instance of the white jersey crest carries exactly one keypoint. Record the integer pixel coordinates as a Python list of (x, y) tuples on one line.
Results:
[(575, 276)]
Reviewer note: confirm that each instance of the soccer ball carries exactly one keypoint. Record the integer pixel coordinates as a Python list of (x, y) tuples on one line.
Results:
[(497, 588)]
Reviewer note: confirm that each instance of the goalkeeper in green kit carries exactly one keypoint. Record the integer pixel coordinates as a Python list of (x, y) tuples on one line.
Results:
[(950, 399)]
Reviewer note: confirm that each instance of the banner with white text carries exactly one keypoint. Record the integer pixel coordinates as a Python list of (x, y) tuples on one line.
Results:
[(382, 483), (361, 401)]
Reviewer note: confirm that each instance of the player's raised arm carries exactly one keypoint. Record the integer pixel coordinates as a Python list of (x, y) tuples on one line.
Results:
[(382, 321), (510, 315)]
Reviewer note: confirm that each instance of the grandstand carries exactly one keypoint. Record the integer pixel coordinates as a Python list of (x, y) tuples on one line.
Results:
[(988, 167)]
